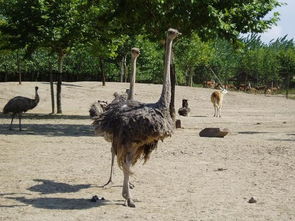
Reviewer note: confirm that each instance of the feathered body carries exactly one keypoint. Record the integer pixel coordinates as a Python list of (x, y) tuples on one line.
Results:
[(97, 108), (19, 105), (135, 128)]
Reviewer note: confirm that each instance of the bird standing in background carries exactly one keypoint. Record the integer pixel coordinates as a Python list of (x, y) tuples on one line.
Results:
[(19, 105)]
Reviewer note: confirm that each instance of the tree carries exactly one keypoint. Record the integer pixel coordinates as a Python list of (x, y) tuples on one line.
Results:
[(19, 25), (192, 54)]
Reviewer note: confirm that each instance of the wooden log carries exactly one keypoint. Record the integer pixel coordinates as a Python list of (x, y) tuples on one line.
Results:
[(178, 123)]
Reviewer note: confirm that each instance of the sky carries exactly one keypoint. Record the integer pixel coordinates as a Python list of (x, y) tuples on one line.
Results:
[(286, 25)]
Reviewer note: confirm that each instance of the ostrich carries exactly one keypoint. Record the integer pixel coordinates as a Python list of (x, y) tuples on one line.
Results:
[(97, 108), (18, 105), (119, 101), (135, 128)]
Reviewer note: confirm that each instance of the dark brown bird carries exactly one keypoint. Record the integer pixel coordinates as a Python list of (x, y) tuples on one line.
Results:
[(19, 105), (135, 128)]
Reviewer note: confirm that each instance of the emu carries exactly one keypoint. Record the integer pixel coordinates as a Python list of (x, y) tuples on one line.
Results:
[(19, 105)]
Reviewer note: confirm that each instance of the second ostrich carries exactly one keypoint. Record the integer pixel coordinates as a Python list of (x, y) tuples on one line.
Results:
[(135, 128), (121, 100), (19, 105)]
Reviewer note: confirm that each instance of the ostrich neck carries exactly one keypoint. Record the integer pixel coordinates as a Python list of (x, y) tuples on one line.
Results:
[(132, 79), (36, 97), (166, 90)]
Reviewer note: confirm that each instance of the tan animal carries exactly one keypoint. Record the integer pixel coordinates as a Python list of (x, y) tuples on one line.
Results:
[(267, 91), (209, 84), (216, 99)]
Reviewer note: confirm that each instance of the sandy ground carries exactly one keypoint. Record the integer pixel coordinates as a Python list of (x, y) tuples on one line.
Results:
[(50, 170)]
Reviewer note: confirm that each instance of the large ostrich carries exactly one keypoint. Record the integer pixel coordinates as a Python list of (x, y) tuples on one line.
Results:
[(18, 105), (135, 128)]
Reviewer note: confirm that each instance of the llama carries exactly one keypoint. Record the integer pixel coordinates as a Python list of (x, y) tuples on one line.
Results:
[(216, 99)]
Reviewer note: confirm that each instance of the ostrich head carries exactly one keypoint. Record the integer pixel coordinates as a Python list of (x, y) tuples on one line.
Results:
[(135, 52), (36, 88), (173, 33)]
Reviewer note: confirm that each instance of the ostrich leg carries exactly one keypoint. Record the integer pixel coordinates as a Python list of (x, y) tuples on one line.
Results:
[(20, 121), (12, 117), (110, 182), (126, 191)]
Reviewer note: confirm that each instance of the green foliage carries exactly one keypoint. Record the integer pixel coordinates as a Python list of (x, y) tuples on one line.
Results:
[(150, 62), (97, 37)]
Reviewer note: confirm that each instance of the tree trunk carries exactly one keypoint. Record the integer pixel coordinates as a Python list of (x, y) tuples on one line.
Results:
[(103, 78), (5, 75), (191, 81), (173, 81), (51, 89), (125, 69), (187, 77), (61, 56), (287, 85), (18, 68), (122, 73)]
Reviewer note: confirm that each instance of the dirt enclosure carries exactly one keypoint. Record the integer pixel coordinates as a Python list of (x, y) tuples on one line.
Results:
[(51, 169)]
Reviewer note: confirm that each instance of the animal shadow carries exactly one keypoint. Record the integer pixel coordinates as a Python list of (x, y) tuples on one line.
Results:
[(45, 116), (60, 203), (50, 187), (50, 130)]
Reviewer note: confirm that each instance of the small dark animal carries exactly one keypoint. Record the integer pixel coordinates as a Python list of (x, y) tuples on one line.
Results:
[(184, 110), (18, 105)]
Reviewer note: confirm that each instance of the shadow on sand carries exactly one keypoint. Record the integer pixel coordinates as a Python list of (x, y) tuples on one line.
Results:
[(51, 187), (278, 139), (50, 130), (46, 116), (65, 84), (252, 132), (61, 203)]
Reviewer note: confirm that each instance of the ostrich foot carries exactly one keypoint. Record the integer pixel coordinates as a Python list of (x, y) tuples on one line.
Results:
[(131, 185), (109, 184), (130, 203)]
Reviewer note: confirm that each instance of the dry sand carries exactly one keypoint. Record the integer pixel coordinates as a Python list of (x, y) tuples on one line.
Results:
[(50, 170)]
